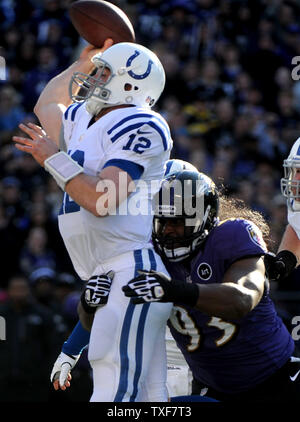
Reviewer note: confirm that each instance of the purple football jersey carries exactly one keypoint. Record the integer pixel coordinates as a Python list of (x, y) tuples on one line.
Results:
[(234, 355)]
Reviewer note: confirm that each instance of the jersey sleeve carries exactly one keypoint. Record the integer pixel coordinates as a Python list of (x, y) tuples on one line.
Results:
[(241, 239), (138, 144), (68, 121)]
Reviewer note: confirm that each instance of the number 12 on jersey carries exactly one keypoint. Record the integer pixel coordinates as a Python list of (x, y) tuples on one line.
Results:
[(140, 147)]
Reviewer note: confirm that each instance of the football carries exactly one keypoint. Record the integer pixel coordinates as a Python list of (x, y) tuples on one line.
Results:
[(96, 20)]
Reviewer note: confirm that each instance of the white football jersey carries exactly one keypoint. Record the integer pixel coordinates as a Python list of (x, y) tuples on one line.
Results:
[(134, 139), (294, 220)]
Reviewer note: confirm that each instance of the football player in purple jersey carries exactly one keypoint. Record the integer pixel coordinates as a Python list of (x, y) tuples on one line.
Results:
[(223, 319)]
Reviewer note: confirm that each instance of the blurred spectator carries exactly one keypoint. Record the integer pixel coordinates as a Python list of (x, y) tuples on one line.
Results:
[(43, 282), (283, 79), (13, 202), (35, 253), (65, 286), (36, 79), (267, 54), (171, 65), (11, 240), (149, 20), (200, 119), (58, 293), (245, 190), (277, 220), (221, 173), (30, 346), (209, 85), (223, 124), (11, 112), (52, 11), (54, 197), (288, 114), (231, 66), (11, 40), (180, 29), (26, 58)]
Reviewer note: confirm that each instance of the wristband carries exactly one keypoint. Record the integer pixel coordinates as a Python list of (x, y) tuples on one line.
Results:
[(187, 293), (62, 167)]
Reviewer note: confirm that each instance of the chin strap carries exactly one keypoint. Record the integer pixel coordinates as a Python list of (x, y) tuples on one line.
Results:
[(94, 106)]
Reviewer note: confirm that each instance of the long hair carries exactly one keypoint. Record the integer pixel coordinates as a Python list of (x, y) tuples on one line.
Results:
[(230, 207)]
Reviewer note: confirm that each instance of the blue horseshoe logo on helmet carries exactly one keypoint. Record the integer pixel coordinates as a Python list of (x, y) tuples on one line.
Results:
[(134, 75)]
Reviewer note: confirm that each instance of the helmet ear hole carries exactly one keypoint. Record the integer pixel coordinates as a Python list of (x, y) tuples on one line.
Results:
[(127, 87), (136, 88)]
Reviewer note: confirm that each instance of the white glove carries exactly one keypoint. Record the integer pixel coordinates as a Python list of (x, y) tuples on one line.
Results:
[(62, 366)]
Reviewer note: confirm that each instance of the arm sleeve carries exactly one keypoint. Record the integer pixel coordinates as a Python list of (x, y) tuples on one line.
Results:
[(78, 340)]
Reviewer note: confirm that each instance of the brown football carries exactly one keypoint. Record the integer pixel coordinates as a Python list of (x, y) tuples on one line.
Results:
[(97, 20)]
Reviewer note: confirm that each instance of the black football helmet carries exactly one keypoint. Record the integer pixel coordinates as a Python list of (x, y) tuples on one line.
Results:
[(190, 196)]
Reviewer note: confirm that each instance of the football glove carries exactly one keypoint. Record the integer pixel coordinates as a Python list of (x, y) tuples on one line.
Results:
[(62, 367), (96, 292), (152, 286), (279, 266)]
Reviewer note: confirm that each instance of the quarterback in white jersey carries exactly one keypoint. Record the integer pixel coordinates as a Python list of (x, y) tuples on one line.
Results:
[(110, 132), (132, 140)]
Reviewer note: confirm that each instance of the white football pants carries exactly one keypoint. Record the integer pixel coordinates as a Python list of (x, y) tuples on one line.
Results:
[(127, 345), (179, 376)]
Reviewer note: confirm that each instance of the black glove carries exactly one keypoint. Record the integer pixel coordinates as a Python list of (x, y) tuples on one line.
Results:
[(96, 292), (279, 266), (152, 286)]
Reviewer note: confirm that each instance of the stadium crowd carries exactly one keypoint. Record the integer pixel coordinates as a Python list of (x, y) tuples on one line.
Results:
[(234, 112)]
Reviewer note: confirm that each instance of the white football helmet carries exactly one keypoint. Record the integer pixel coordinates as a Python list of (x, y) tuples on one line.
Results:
[(290, 183), (125, 73), (175, 165)]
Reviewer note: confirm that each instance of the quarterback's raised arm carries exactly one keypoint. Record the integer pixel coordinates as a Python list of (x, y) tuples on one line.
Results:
[(55, 98)]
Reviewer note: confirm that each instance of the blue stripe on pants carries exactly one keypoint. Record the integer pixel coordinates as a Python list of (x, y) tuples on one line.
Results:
[(140, 336), (123, 384)]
